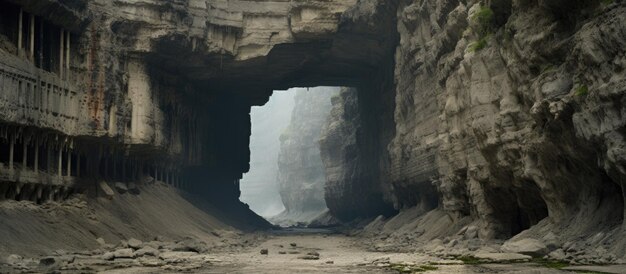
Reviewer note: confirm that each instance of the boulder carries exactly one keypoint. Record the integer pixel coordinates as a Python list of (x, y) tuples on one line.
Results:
[(101, 241), (106, 189), (14, 259), (527, 246), (121, 187), (108, 256), (124, 253), (147, 251), (47, 261), (134, 243)]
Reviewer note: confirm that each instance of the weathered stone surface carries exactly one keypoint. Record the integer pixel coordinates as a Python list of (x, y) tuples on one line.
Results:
[(124, 253), (134, 243), (146, 251), (121, 187), (526, 246), (106, 189), (512, 121), (351, 189)]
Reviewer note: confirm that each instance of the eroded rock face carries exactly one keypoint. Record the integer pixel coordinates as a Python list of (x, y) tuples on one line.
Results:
[(301, 172), (513, 111), (351, 189)]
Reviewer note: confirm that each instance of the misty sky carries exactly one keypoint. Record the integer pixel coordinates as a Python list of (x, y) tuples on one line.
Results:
[(259, 187)]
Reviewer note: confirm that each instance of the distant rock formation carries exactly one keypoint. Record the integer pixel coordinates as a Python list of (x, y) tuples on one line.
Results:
[(301, 174)]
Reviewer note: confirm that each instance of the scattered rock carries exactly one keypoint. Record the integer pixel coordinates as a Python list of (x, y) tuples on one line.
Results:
[(330, 262), (558, 254), (190, 245), (108, 256), (151, 262), (264, 251), (176, 256), (282, 252), (101, 241), (14, 259), (121, 187), (147, 179), (293, 244), (122, 244), (309, 257), (528, 246), (133, 189), (154, 244), (147, 251), (106, 189), (124, 253), (47, 261), (134, 243)]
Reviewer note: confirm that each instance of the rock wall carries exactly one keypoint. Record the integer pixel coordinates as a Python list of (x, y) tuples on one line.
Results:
[(353, 188), (301, 173), (511, 113)]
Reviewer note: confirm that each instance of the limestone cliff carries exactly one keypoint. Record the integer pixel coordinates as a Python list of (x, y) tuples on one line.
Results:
[(510, 113), (352, 190), (301, 174)]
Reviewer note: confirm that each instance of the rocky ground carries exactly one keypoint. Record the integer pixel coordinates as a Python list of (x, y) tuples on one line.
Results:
[(159, 231), (302, 251)]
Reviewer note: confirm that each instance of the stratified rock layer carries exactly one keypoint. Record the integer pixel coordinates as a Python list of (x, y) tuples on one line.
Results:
[(511, 113), (352, 190)]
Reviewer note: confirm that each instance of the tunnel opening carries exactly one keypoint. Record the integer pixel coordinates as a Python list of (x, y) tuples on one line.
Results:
[(286, 180)]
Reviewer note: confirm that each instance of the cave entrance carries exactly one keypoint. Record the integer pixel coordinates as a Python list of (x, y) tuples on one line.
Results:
[(285, 184)]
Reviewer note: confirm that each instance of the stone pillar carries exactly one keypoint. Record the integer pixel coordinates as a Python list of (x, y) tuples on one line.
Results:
[(69, 163), (124, 170), (114, 162), (31, 51), (36, 166), (61, 51), (155, 173), (11, 150), (60, 163), (20, 26), (67, 55), (106, 160), (41, 45), (24, 154), (77, 165), (49, 158)]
